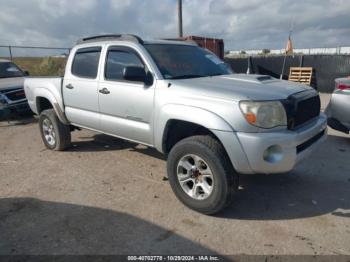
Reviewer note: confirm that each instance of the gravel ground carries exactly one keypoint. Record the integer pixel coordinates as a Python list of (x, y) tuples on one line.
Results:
[(108, 196)]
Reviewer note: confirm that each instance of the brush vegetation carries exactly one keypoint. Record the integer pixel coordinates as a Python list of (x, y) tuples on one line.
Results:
[(42, 66)]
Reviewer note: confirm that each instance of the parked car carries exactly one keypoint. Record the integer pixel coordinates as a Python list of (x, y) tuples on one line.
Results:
[(338, 109), (184, 101), (12, 96)]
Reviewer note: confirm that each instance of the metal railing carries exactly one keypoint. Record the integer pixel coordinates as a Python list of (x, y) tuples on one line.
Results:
[(305, 51)]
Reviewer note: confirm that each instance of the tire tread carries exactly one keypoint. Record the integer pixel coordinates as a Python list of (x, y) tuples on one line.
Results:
[(231, 175), (63, 133)]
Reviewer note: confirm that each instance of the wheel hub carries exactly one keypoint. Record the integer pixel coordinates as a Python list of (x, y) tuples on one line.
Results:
[(195, 177), (49, 132), (195, 172)]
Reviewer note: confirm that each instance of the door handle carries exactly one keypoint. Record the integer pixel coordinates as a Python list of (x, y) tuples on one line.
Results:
[(104, 91), (69, 86)]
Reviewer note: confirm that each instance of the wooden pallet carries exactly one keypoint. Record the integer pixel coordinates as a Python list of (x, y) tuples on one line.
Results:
[(300, 74)]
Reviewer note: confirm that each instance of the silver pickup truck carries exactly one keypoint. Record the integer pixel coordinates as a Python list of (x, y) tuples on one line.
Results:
[(184, 101)]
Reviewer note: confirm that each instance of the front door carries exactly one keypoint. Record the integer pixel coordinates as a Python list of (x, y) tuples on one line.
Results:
[(126, 107)]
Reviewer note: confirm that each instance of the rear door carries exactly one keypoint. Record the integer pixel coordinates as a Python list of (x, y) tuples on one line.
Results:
[(80, 88), (127, 106)]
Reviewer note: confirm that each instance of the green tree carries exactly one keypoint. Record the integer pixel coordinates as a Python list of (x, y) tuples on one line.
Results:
[(265, 51)]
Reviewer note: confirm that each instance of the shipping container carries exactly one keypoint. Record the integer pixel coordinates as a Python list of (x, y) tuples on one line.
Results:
[(213, 44)]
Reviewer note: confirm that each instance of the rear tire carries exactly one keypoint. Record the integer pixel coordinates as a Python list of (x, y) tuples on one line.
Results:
[(55, 135), (208, 179)]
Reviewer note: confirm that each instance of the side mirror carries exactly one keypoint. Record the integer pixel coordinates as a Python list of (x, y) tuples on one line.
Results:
[(135, 73), (26, 73)]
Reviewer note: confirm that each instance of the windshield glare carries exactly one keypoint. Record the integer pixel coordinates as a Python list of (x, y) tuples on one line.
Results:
[(186, 61), (8, 69)]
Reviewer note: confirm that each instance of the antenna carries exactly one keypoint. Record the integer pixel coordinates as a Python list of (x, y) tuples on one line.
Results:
[(291, 28)]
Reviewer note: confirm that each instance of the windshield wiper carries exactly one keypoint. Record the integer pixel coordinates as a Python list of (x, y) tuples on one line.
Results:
[(186, 76)]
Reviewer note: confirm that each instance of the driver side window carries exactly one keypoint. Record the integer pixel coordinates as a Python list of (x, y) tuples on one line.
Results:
[(117, 60)]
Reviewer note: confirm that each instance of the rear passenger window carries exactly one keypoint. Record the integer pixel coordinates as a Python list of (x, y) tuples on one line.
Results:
[(85, 63), (117, 60)]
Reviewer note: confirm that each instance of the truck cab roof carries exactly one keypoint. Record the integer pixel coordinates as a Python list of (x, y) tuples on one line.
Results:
[(115, 38)]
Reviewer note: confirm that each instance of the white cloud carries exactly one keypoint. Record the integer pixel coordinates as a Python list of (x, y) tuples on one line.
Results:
[(59, 8), (120, 5), (246, 24)]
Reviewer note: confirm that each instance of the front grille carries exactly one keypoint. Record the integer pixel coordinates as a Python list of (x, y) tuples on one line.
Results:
[(302, 108), (15, 95), (306, 110)]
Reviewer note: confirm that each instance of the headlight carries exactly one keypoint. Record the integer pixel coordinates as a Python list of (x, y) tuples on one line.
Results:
[(266, 114)]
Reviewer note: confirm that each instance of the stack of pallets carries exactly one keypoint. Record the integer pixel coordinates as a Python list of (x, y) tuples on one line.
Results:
[(300, 75)]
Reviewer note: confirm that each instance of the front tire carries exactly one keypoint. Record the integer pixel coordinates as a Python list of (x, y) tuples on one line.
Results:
[(55, 135), (201, 174)]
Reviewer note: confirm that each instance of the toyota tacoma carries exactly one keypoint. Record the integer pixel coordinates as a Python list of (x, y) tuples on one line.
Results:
[(213, 125)]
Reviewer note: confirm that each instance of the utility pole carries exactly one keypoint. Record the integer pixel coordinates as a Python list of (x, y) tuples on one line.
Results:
[(179, 14)]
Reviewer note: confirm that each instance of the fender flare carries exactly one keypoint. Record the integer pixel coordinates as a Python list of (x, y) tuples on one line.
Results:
[(57, 105), (190, 114)]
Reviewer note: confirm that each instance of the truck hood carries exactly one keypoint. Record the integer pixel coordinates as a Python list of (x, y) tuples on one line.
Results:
[(240, 87), (7, 83)]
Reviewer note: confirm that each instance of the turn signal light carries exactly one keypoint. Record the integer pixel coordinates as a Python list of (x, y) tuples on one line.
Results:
[(251, 117)]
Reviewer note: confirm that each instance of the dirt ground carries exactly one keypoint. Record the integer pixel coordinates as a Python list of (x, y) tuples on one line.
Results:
[(108, 196)]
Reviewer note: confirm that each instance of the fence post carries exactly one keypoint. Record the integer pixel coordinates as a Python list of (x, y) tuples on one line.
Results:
[(284, 64), (301, 61), (10, 50)]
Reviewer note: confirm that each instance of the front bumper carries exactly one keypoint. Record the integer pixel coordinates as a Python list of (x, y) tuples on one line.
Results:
[(337, 111), (279, 152), (21, 107), (13, 100)]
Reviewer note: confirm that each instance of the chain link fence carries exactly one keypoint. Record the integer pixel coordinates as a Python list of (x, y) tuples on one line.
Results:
[(37, 60), (51, 61)]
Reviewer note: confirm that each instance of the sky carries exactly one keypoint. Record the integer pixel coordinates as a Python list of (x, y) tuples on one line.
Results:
[(244, 25)]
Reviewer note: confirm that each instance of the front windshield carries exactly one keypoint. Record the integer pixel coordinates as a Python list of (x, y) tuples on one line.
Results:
[(8, 69), (186, 61)]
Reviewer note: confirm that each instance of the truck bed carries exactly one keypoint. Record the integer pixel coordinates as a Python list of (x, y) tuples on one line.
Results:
[(46, 87)]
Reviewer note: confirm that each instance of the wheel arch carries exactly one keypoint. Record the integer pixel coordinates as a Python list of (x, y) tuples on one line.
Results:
[(176, 130), (42, 103), (180, 121)]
